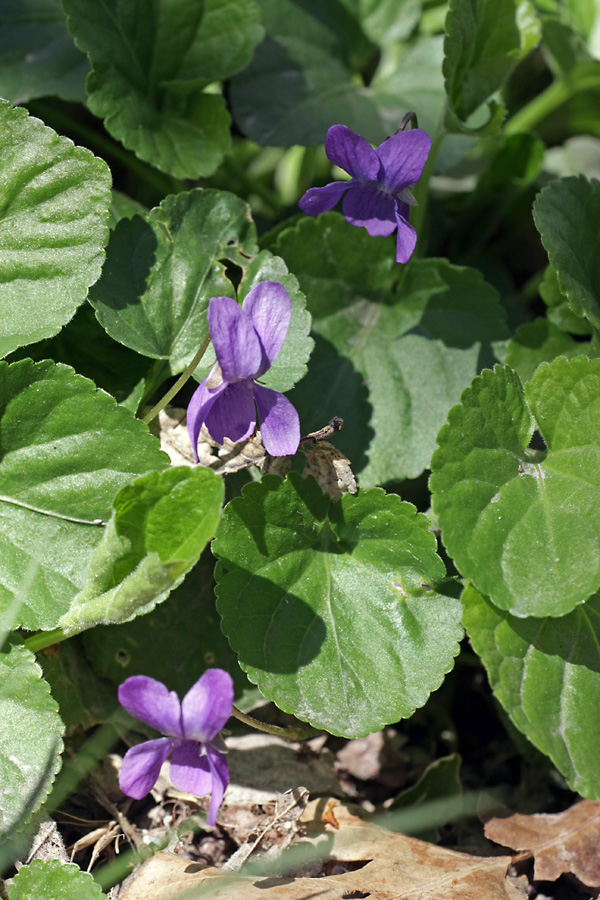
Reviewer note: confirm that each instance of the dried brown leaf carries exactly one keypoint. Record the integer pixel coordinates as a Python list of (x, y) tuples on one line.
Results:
[(563, 842), (281, 827), (330, 469), (171, 429), (370, 861)]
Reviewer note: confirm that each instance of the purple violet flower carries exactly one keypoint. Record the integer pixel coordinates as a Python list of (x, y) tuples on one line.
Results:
[(246, 339), (378, 196), (198, 764)]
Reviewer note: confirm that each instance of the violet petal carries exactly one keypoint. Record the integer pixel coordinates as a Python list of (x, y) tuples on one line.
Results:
[(403, 157), (407, 238), (369, 208), (352, 153), (152, 703), (207, 705), (220, 780), (199, 407), (190, 770), (233, 415), (270, 309), (279, 422), (235, 341), (141, 766), (321, 199)]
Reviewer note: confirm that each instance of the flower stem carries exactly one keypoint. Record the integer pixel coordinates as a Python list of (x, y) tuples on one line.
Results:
[(174, 389), (409, 119), (291, 733), (421, 190)]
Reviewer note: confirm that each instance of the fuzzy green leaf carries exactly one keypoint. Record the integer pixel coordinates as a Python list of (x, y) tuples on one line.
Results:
[(53, 880), (30, 737), (119, 651), (54, 201), (160, 526)]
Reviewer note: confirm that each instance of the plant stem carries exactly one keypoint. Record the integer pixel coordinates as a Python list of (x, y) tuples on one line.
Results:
[(421, 191), (541, 106), (44, 639), (174, 389), (291, 733)]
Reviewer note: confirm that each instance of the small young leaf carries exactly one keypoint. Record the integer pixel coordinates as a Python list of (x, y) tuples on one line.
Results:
[(521, 524), (545, 674), (484, 42), (566, 215), (30, 736), (160, 526), (333, 608), (150, 65), (53, 227), (37, 54), (161, 271), (50, 878), (67, 448)]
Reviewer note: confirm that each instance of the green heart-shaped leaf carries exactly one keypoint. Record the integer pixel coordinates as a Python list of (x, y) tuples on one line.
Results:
[(333, 608), (523, 524), (300, 80)]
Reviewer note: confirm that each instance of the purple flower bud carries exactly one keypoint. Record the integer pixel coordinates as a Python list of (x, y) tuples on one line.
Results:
[(198, 762), (246, 339), (377, 197)]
